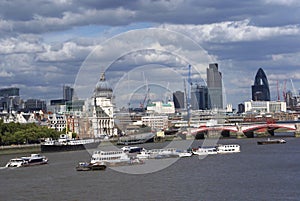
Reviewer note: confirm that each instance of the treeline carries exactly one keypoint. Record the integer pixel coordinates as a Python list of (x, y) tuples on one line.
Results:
[(16, 133)]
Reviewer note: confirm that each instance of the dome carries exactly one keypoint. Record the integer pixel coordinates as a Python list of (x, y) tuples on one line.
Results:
[(103, 89)]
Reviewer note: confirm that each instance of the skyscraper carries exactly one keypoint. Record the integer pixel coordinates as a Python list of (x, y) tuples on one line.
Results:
[(214, 85), (178, 98), (260, 89), (199, 97), (68, 93)]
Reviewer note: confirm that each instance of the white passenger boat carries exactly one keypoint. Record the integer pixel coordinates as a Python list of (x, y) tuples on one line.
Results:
[(202, 151), (110, 156), (33, 159), (114, 158), (182, 154), (228, 148), (158, 153)]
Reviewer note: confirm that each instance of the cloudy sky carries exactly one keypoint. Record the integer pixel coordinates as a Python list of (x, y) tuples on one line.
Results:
[(45, 44)]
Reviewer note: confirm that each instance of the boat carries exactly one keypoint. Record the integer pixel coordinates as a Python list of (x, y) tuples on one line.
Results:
[(158, 153), (33, 159), (202, 151), (132, 149), (64, 143), (114, 158), (228, 148), (136, 139), (271, 141), (85, 166), (182, 154)]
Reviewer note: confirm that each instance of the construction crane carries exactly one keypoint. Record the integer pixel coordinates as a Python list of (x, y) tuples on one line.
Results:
[(278, 96), (284, 91), (142, 104), (294, 90)]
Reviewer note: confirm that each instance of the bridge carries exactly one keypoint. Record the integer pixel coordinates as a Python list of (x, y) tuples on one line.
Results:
[(245, 130)]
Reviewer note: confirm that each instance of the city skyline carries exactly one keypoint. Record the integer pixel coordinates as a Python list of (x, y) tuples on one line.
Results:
[(44, 45)]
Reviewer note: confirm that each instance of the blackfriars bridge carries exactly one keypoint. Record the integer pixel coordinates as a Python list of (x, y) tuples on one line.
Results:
[(244, 130)]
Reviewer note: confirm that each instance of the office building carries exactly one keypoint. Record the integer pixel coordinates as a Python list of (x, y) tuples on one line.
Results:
[(214, 85), (178, 99), (199, 97), (68, 93), (260, 89)]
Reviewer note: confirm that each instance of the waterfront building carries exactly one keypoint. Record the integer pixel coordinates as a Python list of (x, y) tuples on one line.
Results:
[(265, 106), (156, 122), (158, 107), (214, 85), (260, 89), (178, 98)]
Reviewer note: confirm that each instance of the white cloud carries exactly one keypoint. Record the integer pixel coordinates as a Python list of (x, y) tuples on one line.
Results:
[(5, 74), (232, 31)]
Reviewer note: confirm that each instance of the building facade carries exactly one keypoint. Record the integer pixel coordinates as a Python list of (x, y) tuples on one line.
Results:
[(178, 99), (260, 89), (265, 106), (214, 85), (159, 107), (68, 93), (103, 109), (156, 122), (199, 97)]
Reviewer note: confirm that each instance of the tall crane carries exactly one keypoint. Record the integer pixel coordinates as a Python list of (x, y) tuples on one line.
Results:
[(284, 91), (294, 90)]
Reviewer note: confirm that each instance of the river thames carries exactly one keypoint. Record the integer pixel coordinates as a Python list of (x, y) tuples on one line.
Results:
[(258, 172)]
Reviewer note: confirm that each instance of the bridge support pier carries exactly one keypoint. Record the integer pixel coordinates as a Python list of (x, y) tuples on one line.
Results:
[(297, 131), (240, 134)]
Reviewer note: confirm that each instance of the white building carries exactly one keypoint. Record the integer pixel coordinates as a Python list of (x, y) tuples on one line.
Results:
[(156, 122), (159, 107), (57, 121), (265, 106), (103, 109)]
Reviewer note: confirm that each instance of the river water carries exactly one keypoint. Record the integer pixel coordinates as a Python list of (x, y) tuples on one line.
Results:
[(258, 172)]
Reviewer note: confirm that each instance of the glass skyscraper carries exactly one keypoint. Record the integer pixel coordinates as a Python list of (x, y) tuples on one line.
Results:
[(214, 85)]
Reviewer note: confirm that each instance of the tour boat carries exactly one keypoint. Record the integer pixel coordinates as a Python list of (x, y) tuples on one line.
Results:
[(201, 151), (33, 159), (228, 148), (271, 141), (158, 153), (64, 143), (114, 158)]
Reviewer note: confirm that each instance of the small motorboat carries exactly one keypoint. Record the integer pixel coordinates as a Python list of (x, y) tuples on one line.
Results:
[(85, 166), (271, 141)]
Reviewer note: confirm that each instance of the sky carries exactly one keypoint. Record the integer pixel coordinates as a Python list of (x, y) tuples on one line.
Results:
[(147, 44)]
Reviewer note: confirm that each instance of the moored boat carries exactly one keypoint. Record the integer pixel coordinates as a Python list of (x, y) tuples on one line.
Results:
[(271, 141), (64, 143), (85, 166), (228, 148), (33, 159), (202, 151), (114, 158)]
